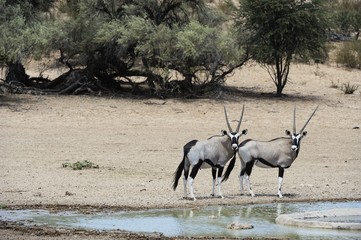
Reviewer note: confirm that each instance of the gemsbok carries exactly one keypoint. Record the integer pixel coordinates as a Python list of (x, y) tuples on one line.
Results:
[(213, 153), (277, 153)]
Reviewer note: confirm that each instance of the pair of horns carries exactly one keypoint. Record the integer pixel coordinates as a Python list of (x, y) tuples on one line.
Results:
[(294, 120), (239, 123)]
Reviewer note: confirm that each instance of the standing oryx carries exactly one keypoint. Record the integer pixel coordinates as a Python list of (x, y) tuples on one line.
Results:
[(277, 153), (214, 152)]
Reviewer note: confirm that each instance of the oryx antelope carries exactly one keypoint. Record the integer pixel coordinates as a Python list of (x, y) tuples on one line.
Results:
[(214, 152), (277, 153)]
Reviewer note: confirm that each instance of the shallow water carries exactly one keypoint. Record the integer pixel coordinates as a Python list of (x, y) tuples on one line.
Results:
[(208, 221), (343, 219)]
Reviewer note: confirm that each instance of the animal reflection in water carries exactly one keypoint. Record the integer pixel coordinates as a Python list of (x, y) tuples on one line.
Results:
[(244, 212)]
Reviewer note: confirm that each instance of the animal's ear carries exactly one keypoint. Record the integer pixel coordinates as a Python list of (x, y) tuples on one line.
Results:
[(245, 131), (223, 132), (304, 133), (288, 133)]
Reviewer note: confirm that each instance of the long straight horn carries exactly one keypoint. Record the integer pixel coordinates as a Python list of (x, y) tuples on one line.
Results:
[(308, 120), (240, 120), (294, 119), (225, 113)]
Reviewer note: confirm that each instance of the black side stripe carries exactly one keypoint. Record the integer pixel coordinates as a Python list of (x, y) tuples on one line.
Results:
[(209, 162), (212, 164), (263, 161)]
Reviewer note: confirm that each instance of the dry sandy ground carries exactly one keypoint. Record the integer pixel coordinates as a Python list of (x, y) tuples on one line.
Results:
[(138, 144)]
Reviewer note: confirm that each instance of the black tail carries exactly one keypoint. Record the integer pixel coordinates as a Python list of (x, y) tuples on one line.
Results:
[(181, 166), (229, 169), (178, 173)]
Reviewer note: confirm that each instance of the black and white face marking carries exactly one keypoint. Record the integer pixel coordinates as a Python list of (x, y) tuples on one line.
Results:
[(295, 139), (234, 137)]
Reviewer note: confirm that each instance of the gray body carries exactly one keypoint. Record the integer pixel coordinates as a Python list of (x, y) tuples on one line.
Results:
[(277, 153), (213, 153), (217, 151)]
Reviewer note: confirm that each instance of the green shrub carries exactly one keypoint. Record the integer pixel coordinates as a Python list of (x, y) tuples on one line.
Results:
[(349, 55)]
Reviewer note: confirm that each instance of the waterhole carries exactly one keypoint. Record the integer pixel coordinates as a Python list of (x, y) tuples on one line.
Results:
[(208, 221)]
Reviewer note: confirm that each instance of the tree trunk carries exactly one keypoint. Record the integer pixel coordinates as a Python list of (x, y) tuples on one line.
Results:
[(279, 76), (282, 71), (16, 73), (280, 85), (279, 90)]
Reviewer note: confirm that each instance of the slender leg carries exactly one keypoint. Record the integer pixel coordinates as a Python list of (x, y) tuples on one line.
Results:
[(220, 171), (280, 180), (214, 172), (243, 170), (249, 167), (192, 176), (191, 189), (185, 177)]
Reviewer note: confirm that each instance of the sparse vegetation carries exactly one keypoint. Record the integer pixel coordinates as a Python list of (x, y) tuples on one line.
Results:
[(334, 85), (79, 165), (348, 88), (349, 55)]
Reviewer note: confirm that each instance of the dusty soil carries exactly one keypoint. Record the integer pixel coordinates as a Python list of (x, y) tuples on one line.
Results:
[(137, 144)]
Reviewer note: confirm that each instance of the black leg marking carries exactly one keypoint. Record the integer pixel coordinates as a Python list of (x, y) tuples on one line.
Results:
[(249, 167), (214, 173), (186, 174), (281, 172), (243, 170), (220, 171), (196, 168)]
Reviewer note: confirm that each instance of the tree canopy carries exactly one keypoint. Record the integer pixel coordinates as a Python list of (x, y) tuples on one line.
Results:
[(279, 30), (163, 48), (175, 47), (348, 17), (23, 34)]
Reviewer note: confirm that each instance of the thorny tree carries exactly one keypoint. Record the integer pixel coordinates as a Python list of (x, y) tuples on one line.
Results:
[(280, 30)]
